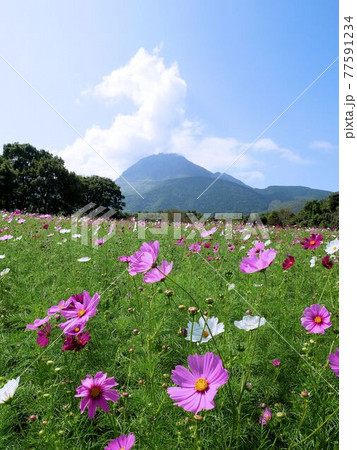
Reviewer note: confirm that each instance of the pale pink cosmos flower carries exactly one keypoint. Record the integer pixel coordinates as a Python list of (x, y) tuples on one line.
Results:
[(316, 319), (144, 259), (198, 387), (96, 392), (123, 442), (195, 248), (80, 312), (6, 237), (158, 273), (206, 233), (259, 246), (265, 417), (258, 263)]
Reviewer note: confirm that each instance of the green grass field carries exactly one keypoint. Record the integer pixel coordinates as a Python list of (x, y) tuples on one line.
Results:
[(44, 270)]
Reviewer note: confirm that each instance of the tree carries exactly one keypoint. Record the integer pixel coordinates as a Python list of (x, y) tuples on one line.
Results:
[(102, 191)]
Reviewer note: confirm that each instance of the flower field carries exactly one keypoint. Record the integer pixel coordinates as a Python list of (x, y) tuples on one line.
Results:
[(202, 340)]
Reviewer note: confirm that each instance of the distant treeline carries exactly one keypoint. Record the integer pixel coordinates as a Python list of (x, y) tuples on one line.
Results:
[(36, 181), (315, 213)]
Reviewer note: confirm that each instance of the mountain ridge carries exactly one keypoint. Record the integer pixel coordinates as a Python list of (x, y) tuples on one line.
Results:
[(170, 181)]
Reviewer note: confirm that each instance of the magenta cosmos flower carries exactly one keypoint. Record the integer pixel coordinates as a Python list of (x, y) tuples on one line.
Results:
[(79, 312), (288, 262), (37, 323), (123, 442), (76, 342), (96, 392), (42, 335), (334, 359), (313, 241), (144, 259), (265, 417), (327, 262), (159, 273), (316, 319), (257, 263), (276, 362), (198, 388)]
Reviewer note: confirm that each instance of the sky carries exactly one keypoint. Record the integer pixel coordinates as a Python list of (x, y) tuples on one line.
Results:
[(126, 79)]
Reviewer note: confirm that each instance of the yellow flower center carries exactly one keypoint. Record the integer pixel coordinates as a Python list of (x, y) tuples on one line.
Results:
[(201, 385), (317, 319), (95, 392), (81, 312), (312, 242), (76, 329), (205, 334)]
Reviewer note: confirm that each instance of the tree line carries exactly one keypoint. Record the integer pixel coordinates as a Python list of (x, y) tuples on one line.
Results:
[(315, 213), (34, 180)]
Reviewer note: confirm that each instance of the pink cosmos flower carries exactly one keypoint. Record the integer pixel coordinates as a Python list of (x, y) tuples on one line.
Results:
[(37, 323), (123, 442), (180, 241), (6, 237), (159, 273), (231, 248), (58, 308), (289, 262), (208, 232), (96, 392), (144, 259), (195, 248), (258, 263), (77, 342), (334, 359), (124, 258), (265, 417), (316, 319), (198, 388), (80, 312), (42, 335), (276, 362), (259, 246), (207, 245), (313, 241), (99, 241), (216, 248)]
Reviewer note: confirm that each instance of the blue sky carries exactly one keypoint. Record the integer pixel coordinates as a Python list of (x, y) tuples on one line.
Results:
[(201, 78)]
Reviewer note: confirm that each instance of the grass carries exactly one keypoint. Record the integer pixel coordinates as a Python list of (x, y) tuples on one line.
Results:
[(44, 269)]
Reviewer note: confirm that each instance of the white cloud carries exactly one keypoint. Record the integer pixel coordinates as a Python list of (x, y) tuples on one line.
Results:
[(322, 145), (158, 124)]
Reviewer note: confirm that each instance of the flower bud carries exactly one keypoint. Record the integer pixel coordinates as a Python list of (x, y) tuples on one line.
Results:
[(248, 386), (192, 310), (304, 393)]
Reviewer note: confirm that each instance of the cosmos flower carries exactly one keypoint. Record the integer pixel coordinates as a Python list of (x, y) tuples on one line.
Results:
[(6, 237), (144, 259), (96, 392), (55, 309), (257, 263), (42, 335), (259, 246), (4, 272), (76, 342), (333, 247), (314, 241), (204, 329), (334, 359), (250, 323), (8, 391), (195, 248), (327, 262), (2, 256), (158, 273), (316, 319), (231, 248), (80, 312), (84, 259), (265, 417), (37, 323), (198, 386), (206, 233), (289, 262), (99, 241), (313, 261), (276, 362), (123, 442)]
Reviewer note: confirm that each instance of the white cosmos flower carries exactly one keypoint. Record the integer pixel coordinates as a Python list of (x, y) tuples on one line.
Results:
[(76, 236), (200, 332), (2, 256), (268, 242), (332, 247), (64, 231), (313, 261), (231, 286), (84, 259), (250, 322), (4, 272), (8, 391)]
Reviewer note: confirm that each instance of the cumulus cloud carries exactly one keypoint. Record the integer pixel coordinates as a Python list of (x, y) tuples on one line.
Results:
[(157, 124)]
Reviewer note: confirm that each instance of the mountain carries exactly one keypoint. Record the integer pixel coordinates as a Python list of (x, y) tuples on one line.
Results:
[(170, 181)]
